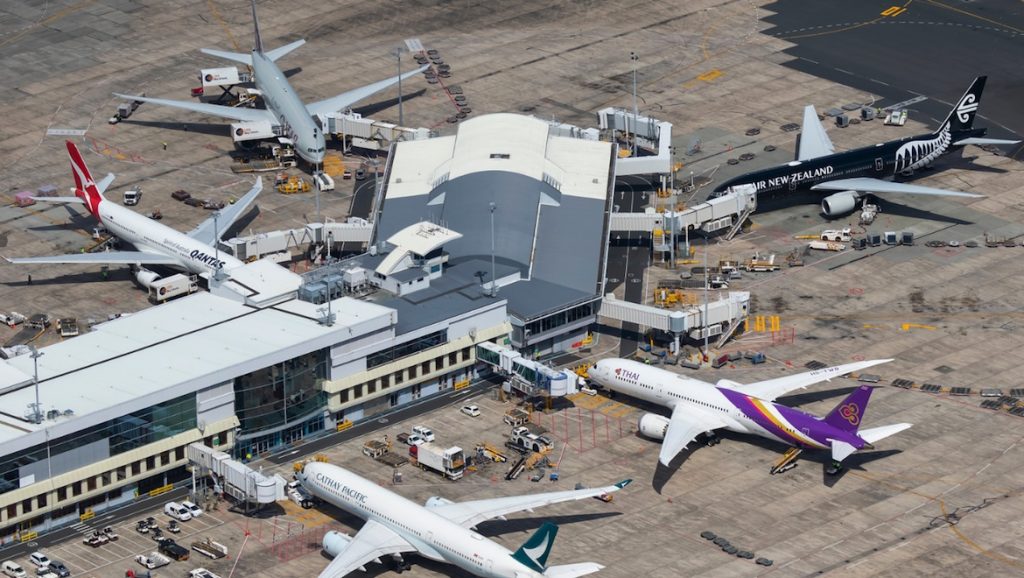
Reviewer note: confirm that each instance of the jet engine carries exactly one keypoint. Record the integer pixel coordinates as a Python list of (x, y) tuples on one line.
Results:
[(145, 277), (335, 543), (435, 501), (653, 426), (839, 203)]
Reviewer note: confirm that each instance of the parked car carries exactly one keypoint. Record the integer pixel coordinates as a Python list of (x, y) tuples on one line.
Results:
[(424, 432), (193, 202), (39, 559), (172, 550), (58, 568), (13, 570), (193, 509), (177, 511), (470, 410), (415, 440), (180, 195)]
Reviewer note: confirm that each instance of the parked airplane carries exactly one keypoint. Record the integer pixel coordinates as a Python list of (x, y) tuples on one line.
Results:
[(699, 408), (155, 244), (440, 530), (856, 173), (284, 108)]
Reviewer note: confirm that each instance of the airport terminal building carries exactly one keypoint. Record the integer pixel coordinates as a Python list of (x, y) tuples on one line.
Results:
[(262, 362)]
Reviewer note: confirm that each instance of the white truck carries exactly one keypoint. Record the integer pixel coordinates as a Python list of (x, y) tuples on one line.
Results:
[(826, 245), (167, 287), (523, 437), (153, 560), (837, 235), (133, 196), (449, 462), (760, 264)]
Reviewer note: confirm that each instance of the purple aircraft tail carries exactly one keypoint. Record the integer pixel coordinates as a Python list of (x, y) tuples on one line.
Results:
[(848, 415)]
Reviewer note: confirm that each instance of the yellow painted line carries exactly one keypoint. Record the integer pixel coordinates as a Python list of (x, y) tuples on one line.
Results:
[(893, 11), (47, 21), (909, 326), (224, 25), (710, 75), (973, 15)]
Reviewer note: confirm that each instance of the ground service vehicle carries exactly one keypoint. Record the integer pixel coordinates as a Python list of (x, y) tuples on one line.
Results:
[(448, 462), (523, 437)]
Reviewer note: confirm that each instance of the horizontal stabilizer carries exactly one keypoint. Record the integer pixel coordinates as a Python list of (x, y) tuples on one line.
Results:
[(58, 200), (570, 570), (276, 53), (874, 434), (841, 450), (105, 182), (245, 59), (985, 141), (869, 185)]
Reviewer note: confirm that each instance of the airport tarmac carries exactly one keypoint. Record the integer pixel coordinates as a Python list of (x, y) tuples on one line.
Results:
[(939, 499)]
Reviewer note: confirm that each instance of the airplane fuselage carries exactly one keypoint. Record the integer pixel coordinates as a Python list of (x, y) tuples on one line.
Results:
[(434, 536), (282, 100), (148, 235), (744, 414), (877, 161)]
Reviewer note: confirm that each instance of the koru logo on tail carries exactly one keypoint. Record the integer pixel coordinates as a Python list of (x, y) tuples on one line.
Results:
[(850, 413), (968, 104)]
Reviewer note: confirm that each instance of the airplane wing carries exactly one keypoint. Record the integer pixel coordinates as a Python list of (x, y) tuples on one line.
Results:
[(984, 141), (770, 389), (103, 258), (814, 141), (204, 232), (869, 185), (373, 541), (687, 422), (239, 113), (346, 99), (469, 514), (58, 200)]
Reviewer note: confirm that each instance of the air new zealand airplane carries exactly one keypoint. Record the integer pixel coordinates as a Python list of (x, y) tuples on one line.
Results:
[(859, 172)]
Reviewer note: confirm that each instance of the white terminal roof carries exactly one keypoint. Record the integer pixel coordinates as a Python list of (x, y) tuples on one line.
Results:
[(502, 142), (168, 351), (419, 239)]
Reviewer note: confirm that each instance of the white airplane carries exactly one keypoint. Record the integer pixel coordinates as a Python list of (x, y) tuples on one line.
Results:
[(155, 244), (284, 108), (441, 530), (699, 408)]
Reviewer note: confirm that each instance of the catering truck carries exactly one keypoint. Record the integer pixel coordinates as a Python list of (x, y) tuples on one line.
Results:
[(449, 462)]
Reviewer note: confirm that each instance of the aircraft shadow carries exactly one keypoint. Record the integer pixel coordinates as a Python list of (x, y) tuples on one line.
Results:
[(854, 462), (116, 273), (813, 396), (376, 107), (663, 474), (967, 163), (492, 528), (890, 208), (214, 129)]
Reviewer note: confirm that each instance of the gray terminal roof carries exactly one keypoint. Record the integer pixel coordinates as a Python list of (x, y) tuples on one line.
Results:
[(550, 193)]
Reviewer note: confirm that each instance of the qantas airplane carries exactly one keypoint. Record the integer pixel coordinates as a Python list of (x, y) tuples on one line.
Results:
[(155, 244), (856, 173), (442, 530), (284, 108), (699, 408)]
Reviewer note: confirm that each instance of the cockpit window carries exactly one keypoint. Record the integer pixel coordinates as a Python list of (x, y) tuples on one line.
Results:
[(319, 123)]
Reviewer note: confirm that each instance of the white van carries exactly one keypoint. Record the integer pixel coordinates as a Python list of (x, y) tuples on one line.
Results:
[(424, 432), (177, 511), (39, 559), (13, 570)]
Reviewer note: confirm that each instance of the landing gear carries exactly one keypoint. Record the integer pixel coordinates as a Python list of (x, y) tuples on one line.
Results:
[(711, 439), (787, 462), (400, 564), (834, 468)]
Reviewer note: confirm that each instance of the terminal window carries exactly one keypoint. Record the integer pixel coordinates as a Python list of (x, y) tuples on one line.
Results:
[(284, 393), (412, 372), (62, 493), (408, 348)]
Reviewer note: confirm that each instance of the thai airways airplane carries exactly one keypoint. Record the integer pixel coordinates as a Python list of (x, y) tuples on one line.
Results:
[(699, 408), (284, 108), (856, 173), (155, 244), (441, 530)]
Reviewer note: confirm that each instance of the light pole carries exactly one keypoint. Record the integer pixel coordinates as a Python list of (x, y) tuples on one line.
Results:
[(494, 281), (636, 110), (216, 247), (398, 55), (37, 415)]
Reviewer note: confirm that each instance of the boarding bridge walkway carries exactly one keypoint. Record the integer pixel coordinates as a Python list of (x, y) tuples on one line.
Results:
[(718, 317), (238, 480), (715, 214), (353, 230)]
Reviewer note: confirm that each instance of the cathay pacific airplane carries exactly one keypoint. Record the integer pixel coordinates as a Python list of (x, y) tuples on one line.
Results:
[(850, 175), (699, 408), (155, 244), (441, 530), (284, 108)]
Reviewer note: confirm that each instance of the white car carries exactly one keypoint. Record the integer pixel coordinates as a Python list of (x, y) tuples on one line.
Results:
[(424, 432), (470, 410), (39, 559), (193, 509), (415, 440), (13, 570), (177, 511)]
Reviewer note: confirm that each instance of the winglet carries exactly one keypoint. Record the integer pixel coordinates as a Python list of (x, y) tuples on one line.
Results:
[(623, 483)]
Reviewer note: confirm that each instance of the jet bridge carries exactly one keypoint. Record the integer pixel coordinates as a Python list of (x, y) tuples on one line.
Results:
[(353, 230), (719, 318), (727, 211), (237, 479), (525, 375)]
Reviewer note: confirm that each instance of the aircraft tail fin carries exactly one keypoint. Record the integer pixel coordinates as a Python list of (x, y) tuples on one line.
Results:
[(962, 115), (257, 41), (848, 415), (572, 570), (85, 186), (534, 552)]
